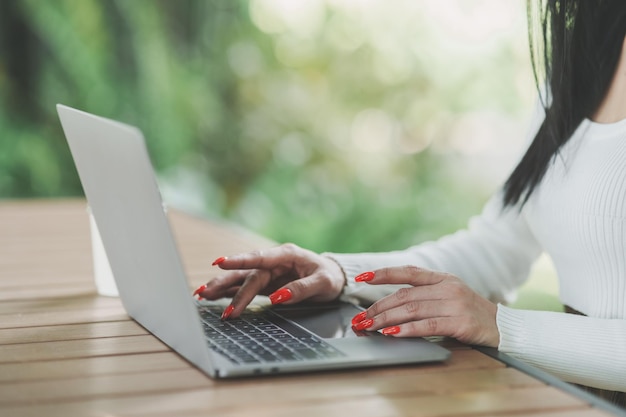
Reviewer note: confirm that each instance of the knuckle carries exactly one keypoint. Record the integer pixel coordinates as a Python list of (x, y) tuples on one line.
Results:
[(289, 248), (250, 259), (300, 287), (258, 253), (432, 326), (456, 289), (412, 308), (402, 294), (327, 282), (450, 279), (412, 270), (324, 276)]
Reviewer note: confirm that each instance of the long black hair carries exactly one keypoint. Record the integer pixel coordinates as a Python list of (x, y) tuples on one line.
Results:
[(577, 44)]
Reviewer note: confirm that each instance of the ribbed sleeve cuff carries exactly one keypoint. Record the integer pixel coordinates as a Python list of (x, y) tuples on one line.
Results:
[(577, 349), (512, 328)]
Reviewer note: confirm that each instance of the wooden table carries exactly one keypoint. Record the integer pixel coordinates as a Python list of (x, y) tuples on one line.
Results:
[(65, 351)]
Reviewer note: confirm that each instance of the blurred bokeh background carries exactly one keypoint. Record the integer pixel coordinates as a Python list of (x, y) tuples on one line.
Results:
[(340, 125)]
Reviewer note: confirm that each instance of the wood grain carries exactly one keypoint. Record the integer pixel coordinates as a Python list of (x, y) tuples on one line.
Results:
[(65, 351)]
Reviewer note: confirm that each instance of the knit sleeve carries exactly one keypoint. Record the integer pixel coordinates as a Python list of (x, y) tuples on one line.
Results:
[(546, 340), (493, 255)]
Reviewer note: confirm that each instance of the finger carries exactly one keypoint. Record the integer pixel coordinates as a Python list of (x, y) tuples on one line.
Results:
[(408, 295), (408, 274), (433, 326), (219, 286), (229, 293), (260, 259), (254, 283), (462, 328), (316, 287), (411, 311)]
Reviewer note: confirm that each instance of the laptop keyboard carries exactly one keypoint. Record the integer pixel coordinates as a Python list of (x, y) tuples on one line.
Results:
[(261, 336)]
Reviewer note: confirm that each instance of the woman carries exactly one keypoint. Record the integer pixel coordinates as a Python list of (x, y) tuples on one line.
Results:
[(567, 197)]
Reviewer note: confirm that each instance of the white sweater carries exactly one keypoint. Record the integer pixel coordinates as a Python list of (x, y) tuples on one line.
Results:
[(577, 216)]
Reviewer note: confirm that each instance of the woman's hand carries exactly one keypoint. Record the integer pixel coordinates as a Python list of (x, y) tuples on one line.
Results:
[(437, 304), (287, 273)]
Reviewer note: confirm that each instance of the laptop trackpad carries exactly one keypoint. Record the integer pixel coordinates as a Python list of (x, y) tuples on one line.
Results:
[(333, 321), (385, 349)]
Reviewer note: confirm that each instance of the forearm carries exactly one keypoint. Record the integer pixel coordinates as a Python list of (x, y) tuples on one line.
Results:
[(578, 349)]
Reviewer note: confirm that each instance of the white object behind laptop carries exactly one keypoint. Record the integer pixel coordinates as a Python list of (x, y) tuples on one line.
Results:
[(102, 274), (121, 189)]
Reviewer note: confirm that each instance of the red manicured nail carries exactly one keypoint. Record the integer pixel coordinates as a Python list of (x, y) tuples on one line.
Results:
[(228, 311), (218, 260), (200, 289), (365, 324), (280, 296), (359, 317), (390, 330), (365, 276)]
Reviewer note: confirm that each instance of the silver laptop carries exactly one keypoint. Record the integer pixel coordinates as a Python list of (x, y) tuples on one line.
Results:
[(121, 189)]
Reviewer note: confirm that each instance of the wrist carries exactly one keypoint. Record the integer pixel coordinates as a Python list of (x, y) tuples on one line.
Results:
[(336, 271)]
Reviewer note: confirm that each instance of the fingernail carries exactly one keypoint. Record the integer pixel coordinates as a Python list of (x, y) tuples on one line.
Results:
[(365, 324), (390, 330), (359, 317), (280, 296), (227, 312), (365, 276), (218, 260), (200, 289)]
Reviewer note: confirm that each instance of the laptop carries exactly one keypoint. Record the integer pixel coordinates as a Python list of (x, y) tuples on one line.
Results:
[(121, 189)]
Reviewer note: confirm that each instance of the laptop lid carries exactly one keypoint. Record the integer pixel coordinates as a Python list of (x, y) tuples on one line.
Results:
[(127, 208)]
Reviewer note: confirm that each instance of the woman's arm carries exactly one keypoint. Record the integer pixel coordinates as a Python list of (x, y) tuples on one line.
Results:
[(577, 349)]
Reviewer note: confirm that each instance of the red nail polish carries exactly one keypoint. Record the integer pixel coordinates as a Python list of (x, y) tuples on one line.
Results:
[(218, 260), (280, 296), (365, 324), (359, 317), (228, 311), (365, 276), (390, 330), (200, 289)]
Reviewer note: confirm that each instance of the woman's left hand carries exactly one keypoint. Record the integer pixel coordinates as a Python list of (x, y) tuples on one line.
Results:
[(436, 304)]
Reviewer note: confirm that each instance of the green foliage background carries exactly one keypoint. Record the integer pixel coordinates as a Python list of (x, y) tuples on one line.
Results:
[(258, 119)]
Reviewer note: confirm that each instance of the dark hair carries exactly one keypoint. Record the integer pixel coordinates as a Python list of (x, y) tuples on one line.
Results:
[(579, 46)]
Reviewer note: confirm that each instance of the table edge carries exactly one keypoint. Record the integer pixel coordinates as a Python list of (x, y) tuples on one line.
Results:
[(552, 380)]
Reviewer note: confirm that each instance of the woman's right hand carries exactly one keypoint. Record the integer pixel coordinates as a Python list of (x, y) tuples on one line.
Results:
[(287, 274)]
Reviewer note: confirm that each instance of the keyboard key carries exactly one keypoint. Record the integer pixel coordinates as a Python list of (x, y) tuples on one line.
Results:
[(261, 337)]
